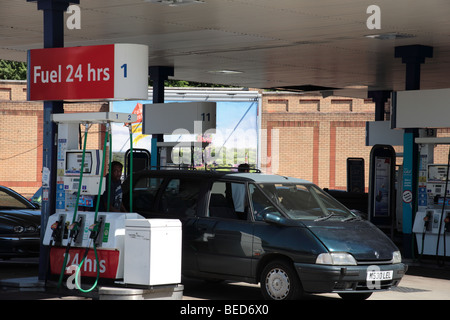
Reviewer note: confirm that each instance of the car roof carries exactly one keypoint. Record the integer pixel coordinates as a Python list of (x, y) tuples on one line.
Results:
[(256, 177), (267, 178)]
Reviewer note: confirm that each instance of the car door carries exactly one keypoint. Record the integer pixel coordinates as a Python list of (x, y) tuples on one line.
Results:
[(224, 241), (183, 198), (172, 196)]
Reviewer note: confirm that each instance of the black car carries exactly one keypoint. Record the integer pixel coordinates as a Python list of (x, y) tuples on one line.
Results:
[(20, 222), (284, 233)]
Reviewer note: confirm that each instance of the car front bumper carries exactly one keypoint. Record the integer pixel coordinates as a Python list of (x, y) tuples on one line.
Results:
[(11, 247), (339, 279)]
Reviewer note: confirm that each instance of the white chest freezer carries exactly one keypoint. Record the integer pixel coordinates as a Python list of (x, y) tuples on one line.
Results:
[(152, 254)]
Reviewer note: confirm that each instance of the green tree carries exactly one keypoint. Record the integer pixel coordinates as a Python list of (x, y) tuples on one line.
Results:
[(13, 70), (183, 83)]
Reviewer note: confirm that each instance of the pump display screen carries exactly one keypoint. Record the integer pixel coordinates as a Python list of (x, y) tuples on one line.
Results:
[(437, 172), (74, 160)]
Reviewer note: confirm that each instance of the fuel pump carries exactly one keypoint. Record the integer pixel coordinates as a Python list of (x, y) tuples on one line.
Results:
[(91, 243), (79, 172), (426, 224), (181, 154), (433, 205)]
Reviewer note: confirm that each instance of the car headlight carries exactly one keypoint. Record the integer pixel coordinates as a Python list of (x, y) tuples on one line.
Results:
[(396, 257), (27, 229), (30, 229), (336, 259), (19, 229)]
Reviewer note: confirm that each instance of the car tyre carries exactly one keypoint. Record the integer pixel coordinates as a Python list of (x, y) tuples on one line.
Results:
[(279, 281), (355, 296)]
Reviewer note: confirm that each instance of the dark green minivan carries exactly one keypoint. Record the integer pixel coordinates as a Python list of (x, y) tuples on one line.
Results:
[(284, 233)]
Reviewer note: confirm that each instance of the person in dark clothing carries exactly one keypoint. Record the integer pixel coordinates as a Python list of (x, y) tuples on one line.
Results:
[(116, 204)]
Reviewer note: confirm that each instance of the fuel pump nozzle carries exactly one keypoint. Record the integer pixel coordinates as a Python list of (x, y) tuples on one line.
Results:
[(74, 229), (426, 221), (95, 229), (447, 223), (56, 228)]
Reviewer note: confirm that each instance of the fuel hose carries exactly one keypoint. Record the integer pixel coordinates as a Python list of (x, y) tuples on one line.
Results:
[(108, 201), (131, 167), (442, 213), (426, 221), (96, 227)]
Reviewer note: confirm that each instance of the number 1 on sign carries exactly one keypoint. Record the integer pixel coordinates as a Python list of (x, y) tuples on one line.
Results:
[(124, 67)]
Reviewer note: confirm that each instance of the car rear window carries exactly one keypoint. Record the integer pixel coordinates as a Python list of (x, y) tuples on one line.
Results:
[(180, 198), (144, 193), (7, 201)]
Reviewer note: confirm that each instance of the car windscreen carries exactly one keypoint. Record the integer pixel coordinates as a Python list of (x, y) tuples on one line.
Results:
[(305, 201)]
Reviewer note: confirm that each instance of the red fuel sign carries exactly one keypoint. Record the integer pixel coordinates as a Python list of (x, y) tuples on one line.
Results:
[(71, 73), (89, 72), (108, 261)]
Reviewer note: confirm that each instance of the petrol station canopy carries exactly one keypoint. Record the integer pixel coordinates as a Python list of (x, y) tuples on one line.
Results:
[(305, 45)]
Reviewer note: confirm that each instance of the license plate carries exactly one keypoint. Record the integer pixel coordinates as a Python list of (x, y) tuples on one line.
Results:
[(379, 275)]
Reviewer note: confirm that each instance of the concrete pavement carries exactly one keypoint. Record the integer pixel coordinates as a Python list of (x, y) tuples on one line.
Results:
[(423, 281)]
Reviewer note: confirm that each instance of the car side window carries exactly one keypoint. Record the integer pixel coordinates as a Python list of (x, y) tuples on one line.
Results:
[(260, 203), (180, 198), (144, 193), (228, 200)]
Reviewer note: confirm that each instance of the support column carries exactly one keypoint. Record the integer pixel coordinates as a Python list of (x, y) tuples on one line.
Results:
[(53, 11), (380, 98), (413, 56), (158, 75)]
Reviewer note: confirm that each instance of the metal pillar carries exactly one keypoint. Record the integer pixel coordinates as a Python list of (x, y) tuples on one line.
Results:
[(380, 98), (158, 75), (413, 56), (53, 11)]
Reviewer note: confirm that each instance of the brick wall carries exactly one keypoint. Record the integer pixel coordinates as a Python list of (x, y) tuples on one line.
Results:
[(21, 125), (316, 136)]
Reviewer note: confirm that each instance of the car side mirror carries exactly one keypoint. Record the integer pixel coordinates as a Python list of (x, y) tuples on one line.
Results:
[(277, 219), (36, 205), (274, 219)]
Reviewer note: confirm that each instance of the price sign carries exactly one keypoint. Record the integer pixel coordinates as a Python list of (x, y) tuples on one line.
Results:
[(116, 71)]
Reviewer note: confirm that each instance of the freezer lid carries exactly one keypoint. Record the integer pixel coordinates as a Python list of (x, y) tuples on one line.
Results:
[(152, 223)]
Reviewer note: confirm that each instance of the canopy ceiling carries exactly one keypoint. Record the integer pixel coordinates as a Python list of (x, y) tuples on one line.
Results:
[(307, 44)]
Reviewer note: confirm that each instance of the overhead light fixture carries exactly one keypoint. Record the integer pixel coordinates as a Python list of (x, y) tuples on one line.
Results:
[(174, 3), (390, 36), (356, 86), (224, 71)]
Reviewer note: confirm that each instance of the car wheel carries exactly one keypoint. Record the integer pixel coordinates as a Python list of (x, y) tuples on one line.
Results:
[(355, 296), (279, 281)]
